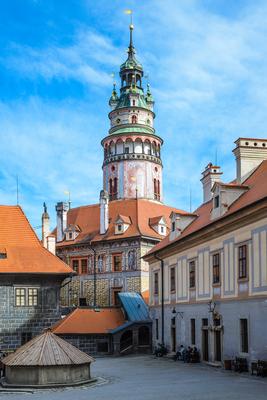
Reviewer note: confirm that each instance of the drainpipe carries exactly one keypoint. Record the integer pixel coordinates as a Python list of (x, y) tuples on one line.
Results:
[(162, 296), (93, 250)]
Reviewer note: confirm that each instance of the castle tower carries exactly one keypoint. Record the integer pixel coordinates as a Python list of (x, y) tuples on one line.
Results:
[(132, 165)]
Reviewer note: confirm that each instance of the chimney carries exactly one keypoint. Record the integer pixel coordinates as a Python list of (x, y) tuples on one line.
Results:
[(61, 209), (51, 244), (104, 217), (249, 153), (45, 226), (211, 175)]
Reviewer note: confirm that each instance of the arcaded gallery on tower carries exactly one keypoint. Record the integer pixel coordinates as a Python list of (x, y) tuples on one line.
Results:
[(104, 243)]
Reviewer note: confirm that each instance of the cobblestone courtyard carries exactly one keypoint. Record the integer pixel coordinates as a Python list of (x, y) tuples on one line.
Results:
[(145, 378)]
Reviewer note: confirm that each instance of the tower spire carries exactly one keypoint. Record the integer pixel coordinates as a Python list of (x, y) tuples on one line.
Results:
[(131, 50)]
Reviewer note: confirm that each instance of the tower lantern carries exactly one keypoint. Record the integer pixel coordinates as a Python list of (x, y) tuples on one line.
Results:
[(132, 164)]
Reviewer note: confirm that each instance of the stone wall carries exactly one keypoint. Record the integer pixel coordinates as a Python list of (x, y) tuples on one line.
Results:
[(16, 321), (89, 343)]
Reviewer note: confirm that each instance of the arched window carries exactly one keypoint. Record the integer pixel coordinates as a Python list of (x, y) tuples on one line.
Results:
[(156, 189), (110, 187), (147, 147), (134, 119), (115, 187)]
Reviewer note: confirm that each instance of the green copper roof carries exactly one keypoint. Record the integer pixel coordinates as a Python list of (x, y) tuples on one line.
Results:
[(132, 129)]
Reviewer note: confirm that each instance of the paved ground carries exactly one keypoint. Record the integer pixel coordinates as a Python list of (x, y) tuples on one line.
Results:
[(147, 378)]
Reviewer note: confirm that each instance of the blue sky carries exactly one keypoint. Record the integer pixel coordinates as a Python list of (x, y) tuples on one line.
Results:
[(207, 66)]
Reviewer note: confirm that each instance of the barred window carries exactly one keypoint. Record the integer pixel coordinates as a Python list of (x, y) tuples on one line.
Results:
[(75, 265), (192, 274), (84, 266), (117, 262), (242, 261), (20, 297), (32, 297), (216, 268)]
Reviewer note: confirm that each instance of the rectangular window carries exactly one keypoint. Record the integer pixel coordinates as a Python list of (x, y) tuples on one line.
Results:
[(192, 274), (20, 297), (244, 335), (32, 297), (242, 261), (84, 266), (172, 279), (216, 201), (157, 328), (117, 262), (126, 150), (216, 268), (205, 322), (156, 283), (193, 331), (75, 265), (173, 226)]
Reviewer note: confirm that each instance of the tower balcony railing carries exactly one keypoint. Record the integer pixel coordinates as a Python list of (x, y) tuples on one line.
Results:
[(132, 156)]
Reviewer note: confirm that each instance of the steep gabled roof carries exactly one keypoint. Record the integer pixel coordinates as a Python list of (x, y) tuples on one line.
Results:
[(24, 252), (256, 189)]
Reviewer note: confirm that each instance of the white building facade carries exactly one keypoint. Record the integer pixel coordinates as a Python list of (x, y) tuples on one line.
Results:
[(214, 280)]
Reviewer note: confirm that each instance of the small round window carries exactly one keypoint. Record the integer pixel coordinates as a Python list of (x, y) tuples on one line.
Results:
[(118, 120)]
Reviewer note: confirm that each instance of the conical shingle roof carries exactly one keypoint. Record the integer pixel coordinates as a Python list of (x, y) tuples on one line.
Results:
[(47, 349)]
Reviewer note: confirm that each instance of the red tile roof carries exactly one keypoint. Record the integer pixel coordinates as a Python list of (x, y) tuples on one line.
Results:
[(89, 321), (138, 211), (24, 252), (256, 184)]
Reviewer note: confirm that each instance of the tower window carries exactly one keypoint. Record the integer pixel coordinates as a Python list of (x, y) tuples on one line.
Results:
[(133, 102), (156, 189), (134, 119), (126, 150), (113, 189)]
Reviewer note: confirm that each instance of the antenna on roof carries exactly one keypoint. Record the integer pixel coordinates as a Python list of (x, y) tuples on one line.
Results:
[(67, 192), (17, 182)]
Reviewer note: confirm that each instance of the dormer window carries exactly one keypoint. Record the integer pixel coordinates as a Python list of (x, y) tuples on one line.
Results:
[(122, 223), (216, 201), (72, 232), (3, 256)]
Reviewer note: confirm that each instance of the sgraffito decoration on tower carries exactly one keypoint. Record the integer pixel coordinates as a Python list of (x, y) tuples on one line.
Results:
[(132, 164)]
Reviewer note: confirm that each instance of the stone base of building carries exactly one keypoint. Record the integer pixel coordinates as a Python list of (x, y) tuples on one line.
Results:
[(220, 333)]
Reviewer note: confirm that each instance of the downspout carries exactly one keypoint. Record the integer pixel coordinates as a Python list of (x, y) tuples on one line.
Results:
[(94, 302), (162, 296)]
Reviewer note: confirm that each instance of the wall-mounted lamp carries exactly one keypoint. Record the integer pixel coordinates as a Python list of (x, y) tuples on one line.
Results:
[(212, 306), (175, 313)]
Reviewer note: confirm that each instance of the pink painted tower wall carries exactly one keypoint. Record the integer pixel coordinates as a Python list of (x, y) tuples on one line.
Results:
[(132, 164)]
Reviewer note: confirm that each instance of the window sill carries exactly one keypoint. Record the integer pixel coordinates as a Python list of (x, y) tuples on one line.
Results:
[(218, 284), (192, 288)]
